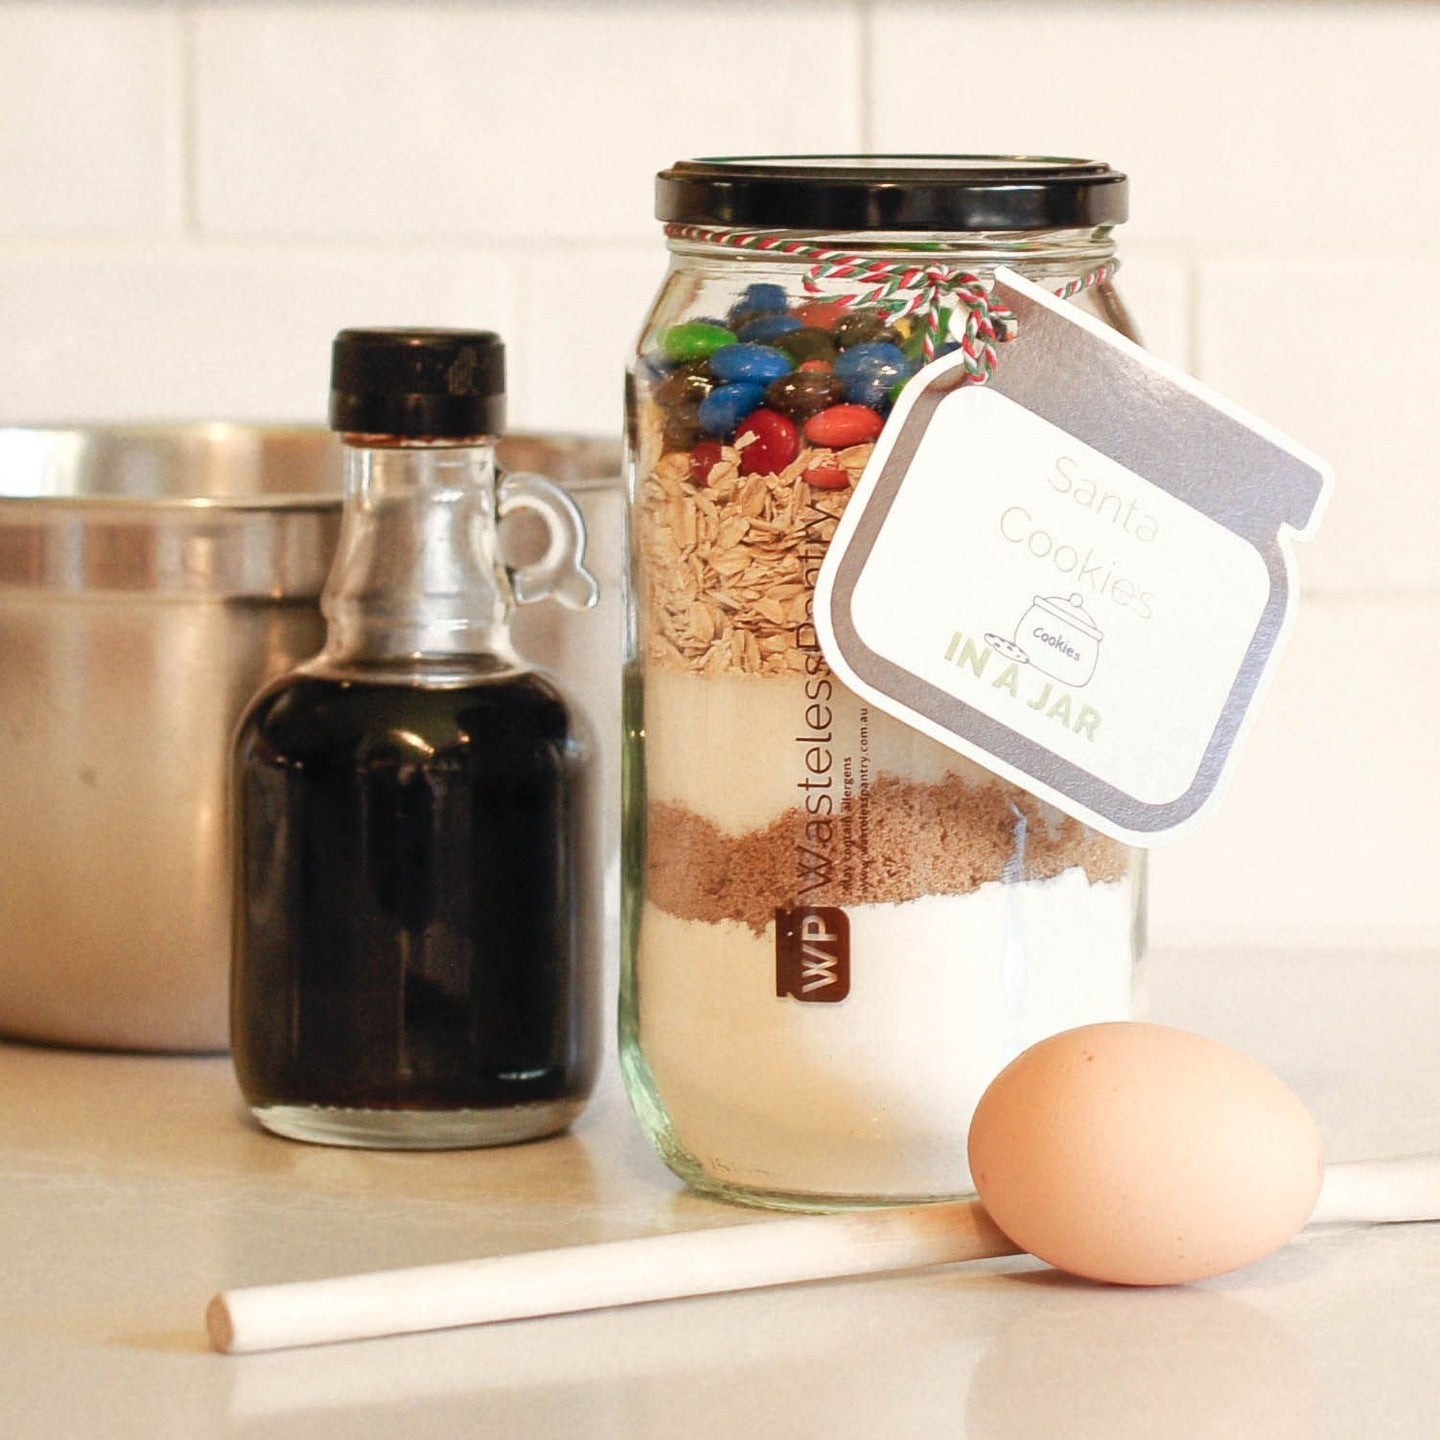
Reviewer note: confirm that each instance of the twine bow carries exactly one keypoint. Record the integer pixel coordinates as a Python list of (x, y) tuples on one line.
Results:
[(901, 291), (933, 293)]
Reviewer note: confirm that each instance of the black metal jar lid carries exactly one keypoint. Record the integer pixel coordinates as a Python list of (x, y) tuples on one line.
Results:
[(418, 383), (892, 192)]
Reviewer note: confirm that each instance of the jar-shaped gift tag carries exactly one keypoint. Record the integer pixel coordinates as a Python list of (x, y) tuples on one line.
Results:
[(837, 929)]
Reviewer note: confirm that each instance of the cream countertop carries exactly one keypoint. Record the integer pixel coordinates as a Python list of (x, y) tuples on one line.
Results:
[(133, 1188)]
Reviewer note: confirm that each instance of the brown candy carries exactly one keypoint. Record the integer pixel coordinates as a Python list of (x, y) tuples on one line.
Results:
[(681, 428), (690, 380), (807, 344), (861, 326), (804, 393)]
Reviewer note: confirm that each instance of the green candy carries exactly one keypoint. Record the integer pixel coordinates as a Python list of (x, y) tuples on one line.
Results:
[(695, 340)]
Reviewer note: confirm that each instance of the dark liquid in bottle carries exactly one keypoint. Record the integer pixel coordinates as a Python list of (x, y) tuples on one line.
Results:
[(409, 931)]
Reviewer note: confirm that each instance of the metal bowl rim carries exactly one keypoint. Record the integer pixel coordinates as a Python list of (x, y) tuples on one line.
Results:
[(292, 502)]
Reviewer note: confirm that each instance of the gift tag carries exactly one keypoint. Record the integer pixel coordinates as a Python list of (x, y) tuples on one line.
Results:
[(1077, 573)]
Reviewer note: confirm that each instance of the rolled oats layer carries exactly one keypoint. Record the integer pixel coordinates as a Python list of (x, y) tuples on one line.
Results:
[(731, 560)]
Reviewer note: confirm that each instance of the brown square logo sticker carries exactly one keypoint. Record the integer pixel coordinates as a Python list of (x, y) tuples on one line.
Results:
[(812, 954)]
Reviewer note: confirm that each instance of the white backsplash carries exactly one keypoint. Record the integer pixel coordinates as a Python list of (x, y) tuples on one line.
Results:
[(197, 195)]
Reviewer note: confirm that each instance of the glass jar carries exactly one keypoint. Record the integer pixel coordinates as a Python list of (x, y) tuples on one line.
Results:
[(836, 929), (416, 883)]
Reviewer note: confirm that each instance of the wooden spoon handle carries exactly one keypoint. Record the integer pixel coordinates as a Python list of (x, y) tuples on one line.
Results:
[(590, 1277)]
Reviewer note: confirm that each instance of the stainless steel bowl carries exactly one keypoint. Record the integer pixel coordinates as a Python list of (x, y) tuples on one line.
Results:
[(151, 580)]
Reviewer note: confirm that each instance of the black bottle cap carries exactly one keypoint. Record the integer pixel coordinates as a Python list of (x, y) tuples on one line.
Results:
[(943, 193), (418, 384)]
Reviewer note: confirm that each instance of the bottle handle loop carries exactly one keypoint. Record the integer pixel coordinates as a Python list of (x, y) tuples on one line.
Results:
[(560, 573)]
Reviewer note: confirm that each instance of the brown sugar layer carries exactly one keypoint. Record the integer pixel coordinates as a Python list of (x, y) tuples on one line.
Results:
[(900, 841), (730, 560)]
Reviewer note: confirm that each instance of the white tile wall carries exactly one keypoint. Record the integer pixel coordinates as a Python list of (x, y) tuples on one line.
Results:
[(567, 358), (111, 333), (198, 193), (1248, 122), (517, 121), (1328, 834), (90, 118), (1342, 352)]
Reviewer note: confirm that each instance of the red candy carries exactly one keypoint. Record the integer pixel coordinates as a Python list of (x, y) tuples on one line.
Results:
[(843, 425), (827, 477), (824, 365), (821, 314), (702, 458), (776, 443)]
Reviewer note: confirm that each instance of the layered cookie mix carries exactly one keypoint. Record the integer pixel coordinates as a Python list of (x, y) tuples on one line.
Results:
[(846, 928)]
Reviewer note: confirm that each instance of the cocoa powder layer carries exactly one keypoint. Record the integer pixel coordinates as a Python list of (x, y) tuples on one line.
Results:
[(944, 838)]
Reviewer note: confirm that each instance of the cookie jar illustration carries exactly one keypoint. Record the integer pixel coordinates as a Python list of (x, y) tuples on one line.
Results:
[(1058, 636)]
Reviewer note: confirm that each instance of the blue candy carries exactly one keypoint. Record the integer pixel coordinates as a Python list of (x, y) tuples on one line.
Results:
[(758, 363), (873, 357), (761, 298), (770, 327), (868, 371), (872, 390), (722, 410)]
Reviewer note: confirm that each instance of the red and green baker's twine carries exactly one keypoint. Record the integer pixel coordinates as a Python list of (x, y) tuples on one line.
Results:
[(929, 291)]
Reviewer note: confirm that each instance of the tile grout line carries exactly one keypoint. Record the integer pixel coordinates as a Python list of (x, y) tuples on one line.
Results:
[(201, 242), (1186, 255)]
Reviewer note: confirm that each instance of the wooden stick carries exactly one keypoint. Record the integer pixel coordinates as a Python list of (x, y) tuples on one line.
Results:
[(701, 1262), (1379, 1192), (591, 1277)]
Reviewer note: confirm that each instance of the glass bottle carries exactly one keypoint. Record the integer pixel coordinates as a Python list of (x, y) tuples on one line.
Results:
[(415, 963), (836, 930)]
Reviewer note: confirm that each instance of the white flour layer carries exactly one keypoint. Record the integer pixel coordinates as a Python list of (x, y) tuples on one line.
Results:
[(871, 1096), (732, 747)]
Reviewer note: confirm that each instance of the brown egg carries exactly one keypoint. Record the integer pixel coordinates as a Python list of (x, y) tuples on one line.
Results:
[(1143, 1155)]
